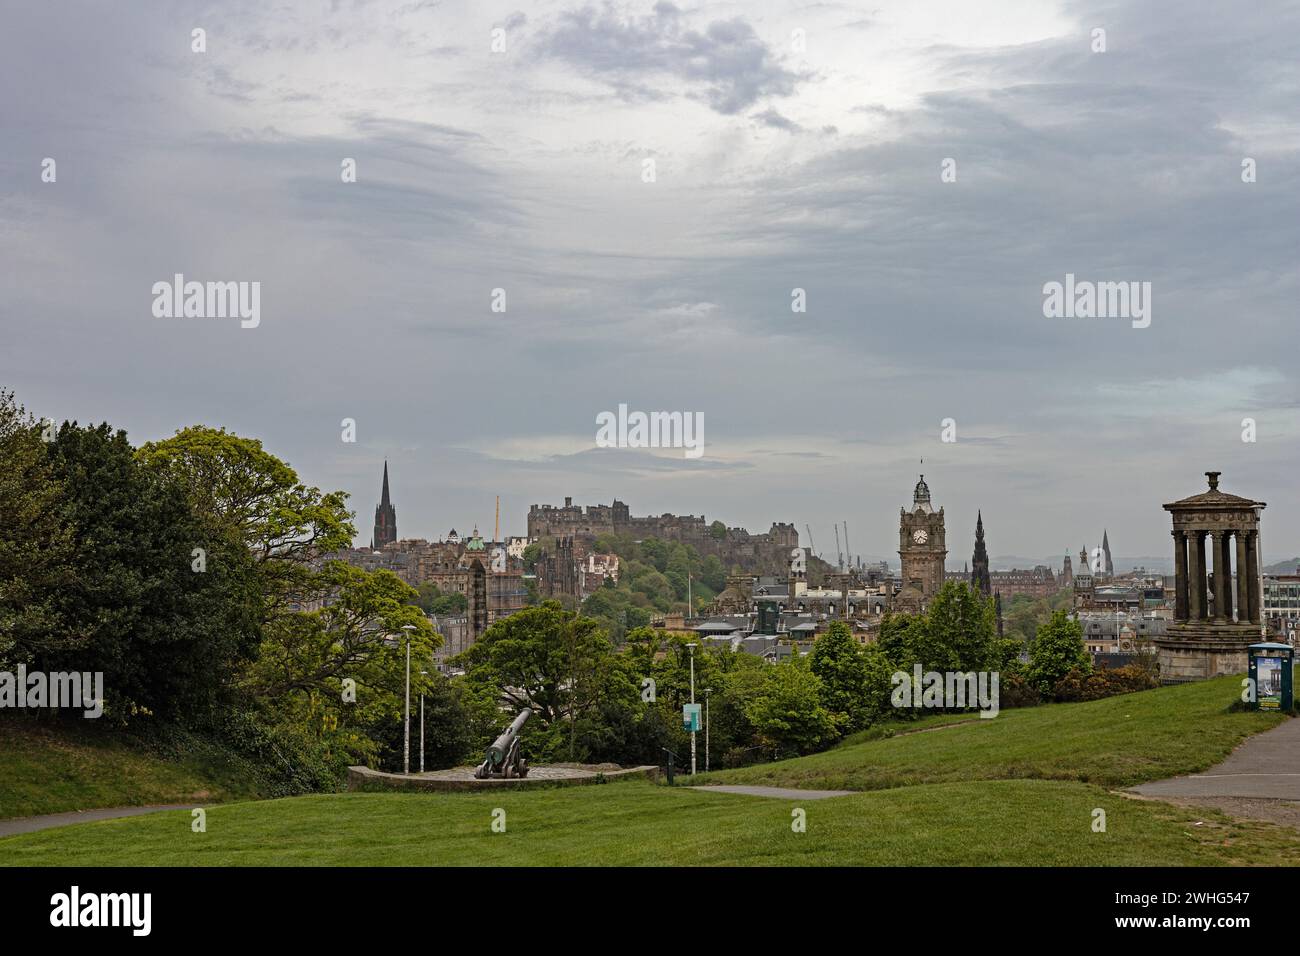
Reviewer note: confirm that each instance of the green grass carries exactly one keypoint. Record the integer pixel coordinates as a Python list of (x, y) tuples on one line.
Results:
[(1009, 822), (1020, 789), (1116, 742), (56, 768)]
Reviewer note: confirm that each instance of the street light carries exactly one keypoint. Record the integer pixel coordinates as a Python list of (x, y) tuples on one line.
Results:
[(691, 647), (707, 692), (406, 754), (422, 674)]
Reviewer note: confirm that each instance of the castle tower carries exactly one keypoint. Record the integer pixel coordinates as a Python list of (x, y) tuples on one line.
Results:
[(979, 575), (385, 518), (922, 548)]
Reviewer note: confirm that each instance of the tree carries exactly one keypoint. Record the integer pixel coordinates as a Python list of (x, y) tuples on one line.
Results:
[(340, 672), (1057, 650), (167, 611), (35, 544), (559, 664), (246, 493), (432, 600), (788, 715), (718, 530), (842, 670), (964, 623)]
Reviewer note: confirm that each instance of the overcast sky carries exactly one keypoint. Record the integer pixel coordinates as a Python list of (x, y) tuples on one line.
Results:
[(779, 165)]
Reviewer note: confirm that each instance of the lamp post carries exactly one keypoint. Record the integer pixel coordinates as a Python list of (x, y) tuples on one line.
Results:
[(406, 748), (422, 674), (691, 648), (707, 692)]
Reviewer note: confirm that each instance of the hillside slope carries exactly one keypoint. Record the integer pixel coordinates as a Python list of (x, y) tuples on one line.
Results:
[(48, 768), (1116, 742)]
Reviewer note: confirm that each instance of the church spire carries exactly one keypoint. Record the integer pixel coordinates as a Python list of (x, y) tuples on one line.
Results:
[(385, 517)]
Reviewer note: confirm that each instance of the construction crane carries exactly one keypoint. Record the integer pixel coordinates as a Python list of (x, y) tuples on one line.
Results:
[(839, 555), (812, 546), (496, 539), (847, 550)]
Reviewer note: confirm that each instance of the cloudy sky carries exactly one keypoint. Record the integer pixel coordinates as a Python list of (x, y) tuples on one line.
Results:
[(795, 146)]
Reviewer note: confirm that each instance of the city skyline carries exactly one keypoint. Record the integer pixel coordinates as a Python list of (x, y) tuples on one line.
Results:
[(795, 149)]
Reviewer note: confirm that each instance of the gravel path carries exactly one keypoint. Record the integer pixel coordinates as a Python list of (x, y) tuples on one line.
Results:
[(32, 824)]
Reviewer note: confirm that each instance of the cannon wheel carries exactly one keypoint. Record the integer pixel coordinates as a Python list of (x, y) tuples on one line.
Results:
[(523, 768)]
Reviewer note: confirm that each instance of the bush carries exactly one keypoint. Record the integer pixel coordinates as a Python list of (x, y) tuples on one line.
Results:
[(1078, 685), (1014, 690)]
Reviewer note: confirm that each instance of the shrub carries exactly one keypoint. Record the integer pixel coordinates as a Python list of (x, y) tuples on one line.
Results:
[(1078, 685)]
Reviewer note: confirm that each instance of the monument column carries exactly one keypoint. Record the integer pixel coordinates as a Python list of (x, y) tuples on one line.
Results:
[(1180, 575), (1196, 583), (1252, 574), (1216, 546), (1229, 599), (1243, 580)]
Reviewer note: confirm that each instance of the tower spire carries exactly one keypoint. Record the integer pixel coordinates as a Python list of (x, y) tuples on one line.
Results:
[(385, 517), (979, 572)]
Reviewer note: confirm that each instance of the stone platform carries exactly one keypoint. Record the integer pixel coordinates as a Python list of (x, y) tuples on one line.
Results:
[(462, 778)]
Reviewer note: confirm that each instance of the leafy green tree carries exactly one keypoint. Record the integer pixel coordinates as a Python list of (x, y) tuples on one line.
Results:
[(842, 670), (1057, 650), (432, 600), (559, 664), (246, 493), (718, 530), (340, 671), (788, 715), (164, 608), (964, 623), (35, 544)]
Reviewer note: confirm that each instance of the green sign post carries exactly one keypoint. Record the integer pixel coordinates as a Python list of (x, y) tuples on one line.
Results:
[(1270, 675)]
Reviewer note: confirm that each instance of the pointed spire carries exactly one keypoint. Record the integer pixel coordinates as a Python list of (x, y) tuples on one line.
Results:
[(384, 500), (979, 526)]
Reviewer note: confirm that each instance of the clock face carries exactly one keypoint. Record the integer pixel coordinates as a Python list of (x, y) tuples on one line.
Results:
[(920, 536)]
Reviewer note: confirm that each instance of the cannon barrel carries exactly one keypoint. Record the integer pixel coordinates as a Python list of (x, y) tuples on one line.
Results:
[(501, 746)]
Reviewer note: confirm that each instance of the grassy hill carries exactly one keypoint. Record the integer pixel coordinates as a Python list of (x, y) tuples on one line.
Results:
[(1116, 742), (48, 768), (1021, 789)]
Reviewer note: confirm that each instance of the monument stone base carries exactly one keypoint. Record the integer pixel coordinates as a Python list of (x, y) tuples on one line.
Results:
[(1201, 650)]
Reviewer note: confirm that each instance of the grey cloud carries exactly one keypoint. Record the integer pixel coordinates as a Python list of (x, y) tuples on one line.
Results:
[(726, 64)]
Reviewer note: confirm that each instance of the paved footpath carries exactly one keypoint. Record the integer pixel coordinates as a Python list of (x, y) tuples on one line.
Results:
[(780, 793), (1265, 766), (32, 824)]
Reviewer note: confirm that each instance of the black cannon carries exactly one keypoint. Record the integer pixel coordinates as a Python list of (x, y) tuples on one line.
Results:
[(503, 758)]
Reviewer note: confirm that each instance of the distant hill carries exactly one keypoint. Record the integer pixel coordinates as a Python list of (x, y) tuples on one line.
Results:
[(1288, 566)]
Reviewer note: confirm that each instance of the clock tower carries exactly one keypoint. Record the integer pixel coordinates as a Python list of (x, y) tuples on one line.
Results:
[(922, 548)]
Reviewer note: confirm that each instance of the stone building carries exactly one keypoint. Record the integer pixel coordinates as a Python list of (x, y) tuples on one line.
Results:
[(1216, 617), (558, 571), (1040, 582)]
